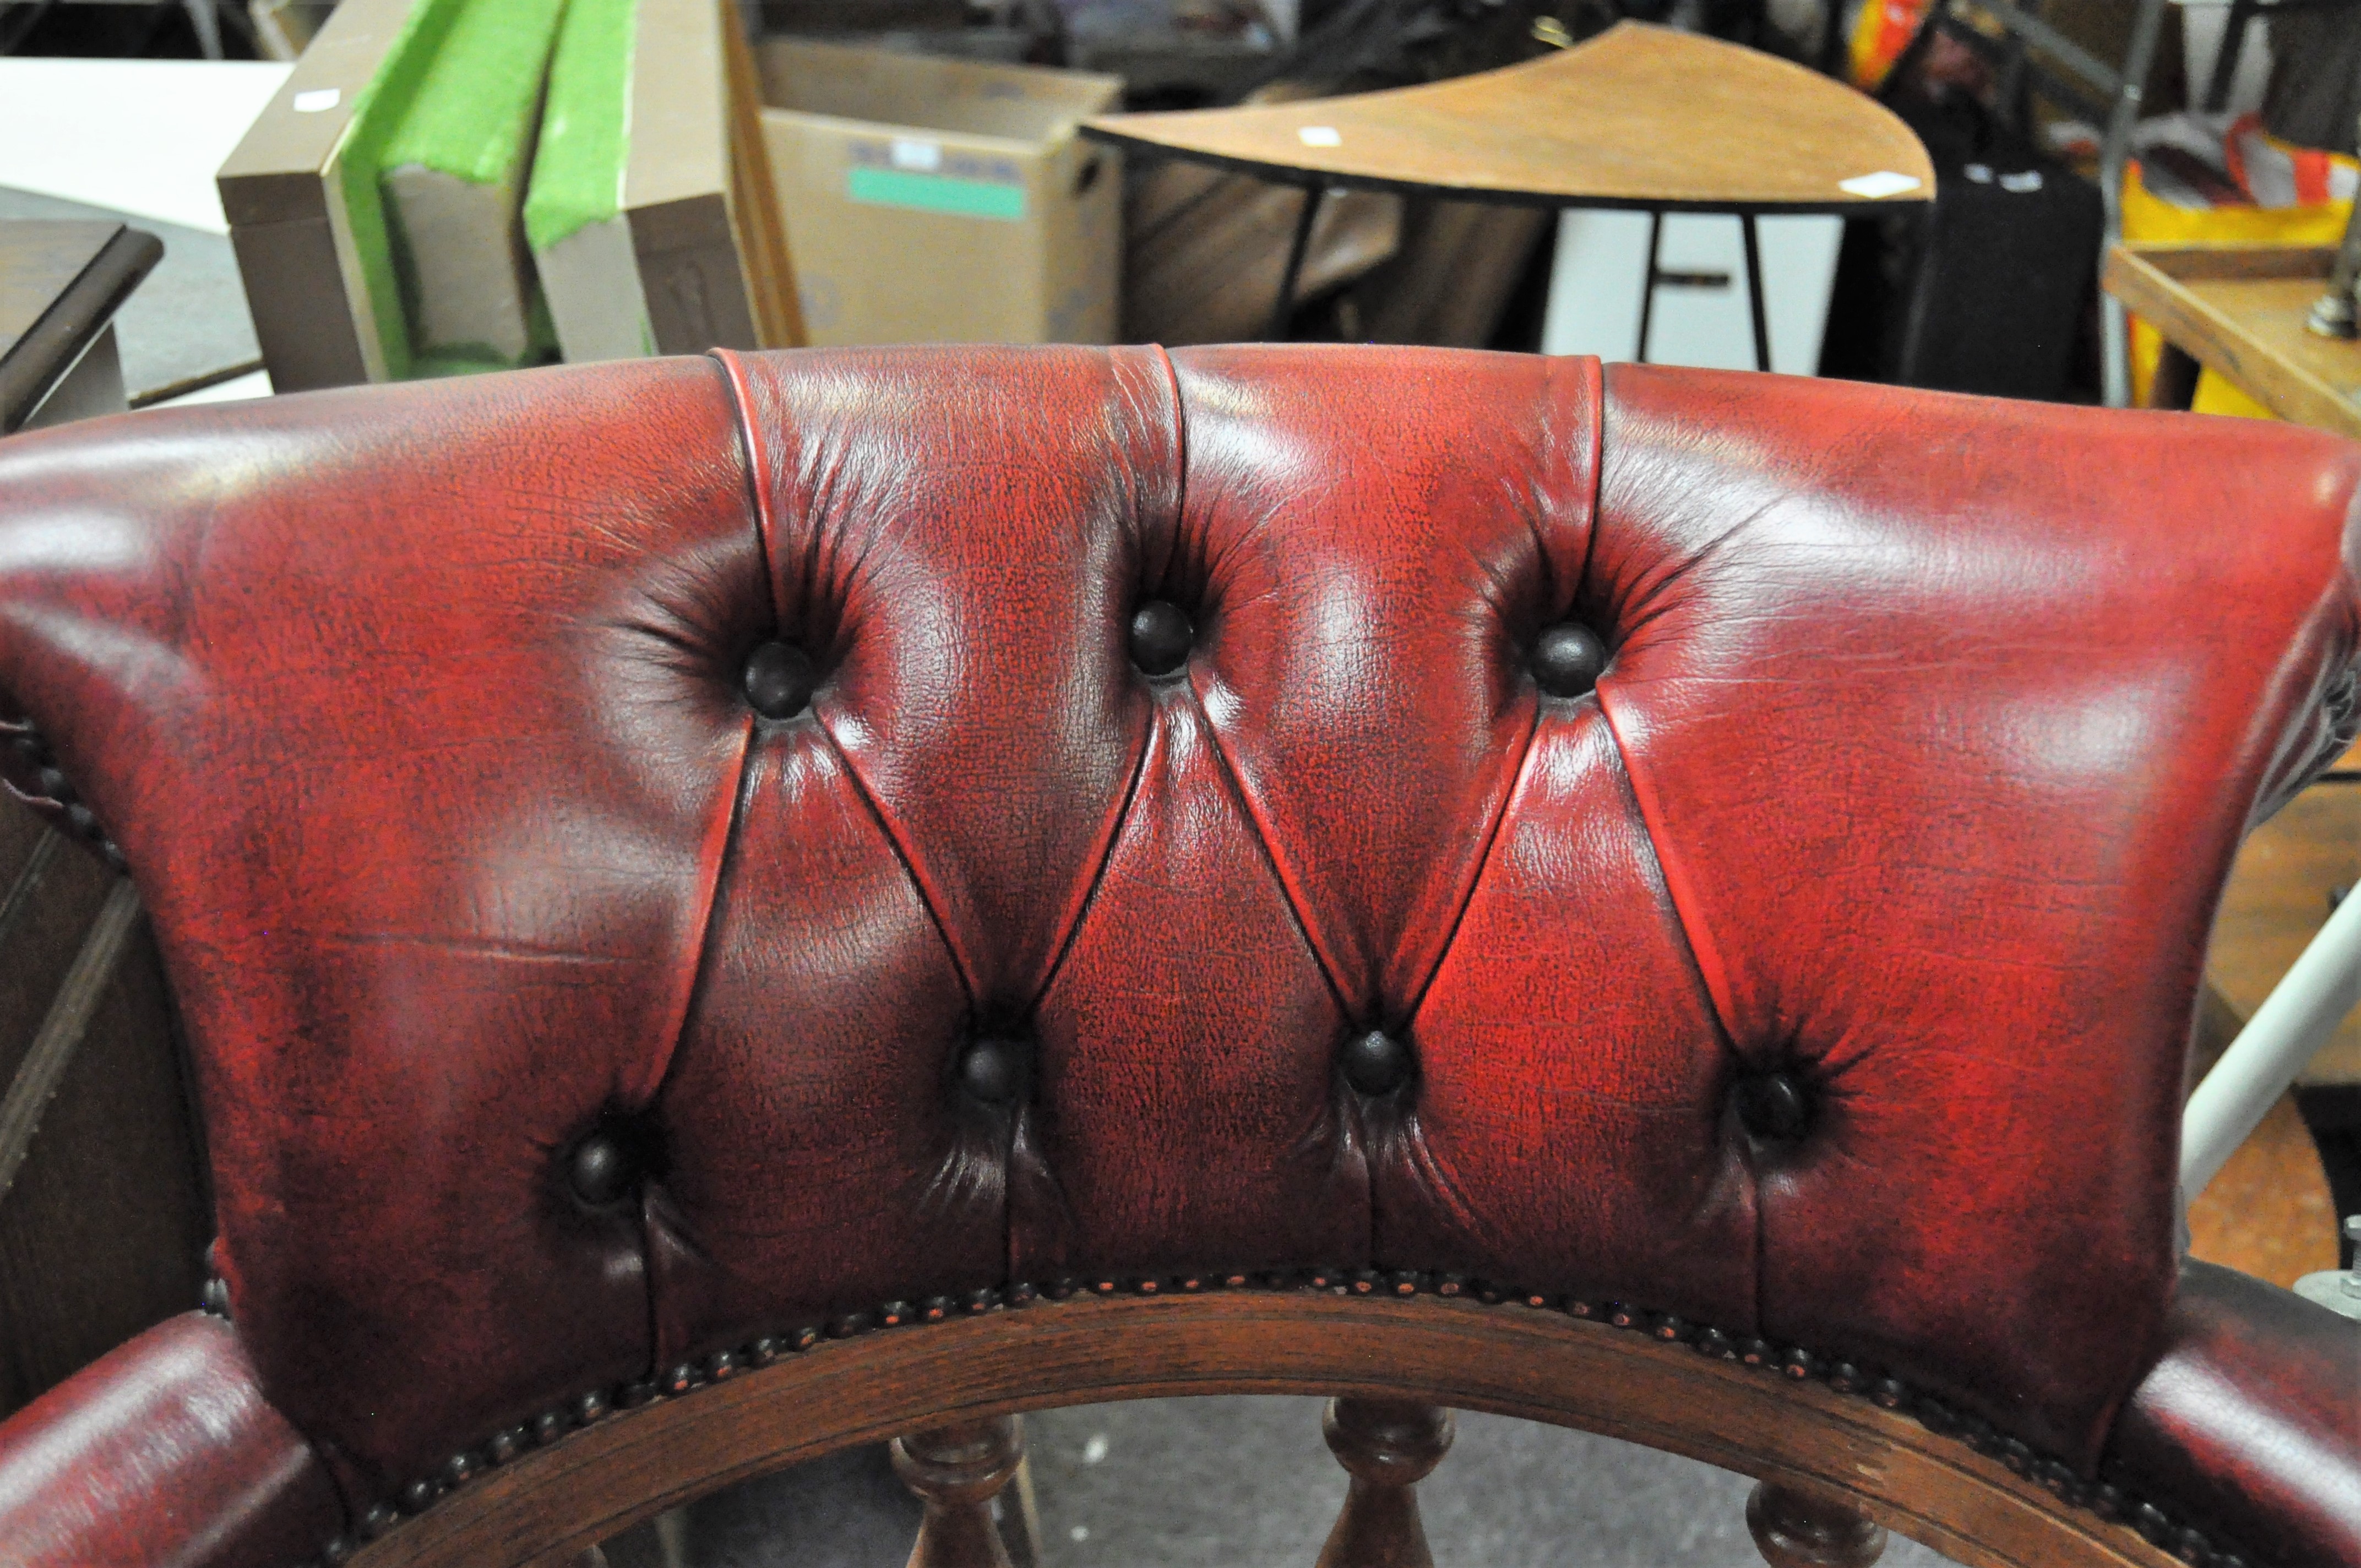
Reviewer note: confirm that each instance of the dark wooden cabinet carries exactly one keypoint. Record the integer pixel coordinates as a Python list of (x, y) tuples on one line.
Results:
[(104, 1215)]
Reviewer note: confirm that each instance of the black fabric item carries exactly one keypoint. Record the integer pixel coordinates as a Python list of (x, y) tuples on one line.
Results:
[(2010, 261)]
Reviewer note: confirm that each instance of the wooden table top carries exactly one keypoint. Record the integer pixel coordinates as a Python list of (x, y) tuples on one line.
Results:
[(2239, 311), (1639, 116)]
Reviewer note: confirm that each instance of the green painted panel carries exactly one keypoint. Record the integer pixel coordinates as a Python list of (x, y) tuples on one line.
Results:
[(577, 165)]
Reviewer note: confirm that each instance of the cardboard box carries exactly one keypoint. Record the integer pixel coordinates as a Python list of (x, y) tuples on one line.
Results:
[(310, 229), (941, 201)]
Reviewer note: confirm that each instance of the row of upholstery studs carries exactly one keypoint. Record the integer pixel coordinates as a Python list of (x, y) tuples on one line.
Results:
[(779, 678), (1798, 1364), (50, 784)]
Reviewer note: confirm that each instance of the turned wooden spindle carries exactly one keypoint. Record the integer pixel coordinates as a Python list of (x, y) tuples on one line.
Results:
[(1796, 1529), (956, 1471), (1387, 1446)]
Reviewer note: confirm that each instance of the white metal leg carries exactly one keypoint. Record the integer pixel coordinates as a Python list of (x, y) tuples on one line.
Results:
[(2294, 1021)]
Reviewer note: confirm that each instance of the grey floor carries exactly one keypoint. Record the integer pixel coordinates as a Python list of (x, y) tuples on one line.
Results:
[(1238, 1482)]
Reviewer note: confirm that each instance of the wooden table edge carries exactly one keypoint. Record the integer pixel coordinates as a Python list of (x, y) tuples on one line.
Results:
[(1108, 134), (2132, 274)]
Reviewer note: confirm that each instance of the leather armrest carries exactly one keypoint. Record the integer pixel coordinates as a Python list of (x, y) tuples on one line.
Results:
[(163, 1454), (2249, 1426)]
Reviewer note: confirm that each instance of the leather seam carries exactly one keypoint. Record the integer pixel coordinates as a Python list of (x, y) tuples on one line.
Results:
[(1073, 931), (1179, 463), (1594, 386), (740, 797), (926, 895), (1677, 891), (1111, 831), (758, 493), (1287, 892), (1479, 862), (717, 854)]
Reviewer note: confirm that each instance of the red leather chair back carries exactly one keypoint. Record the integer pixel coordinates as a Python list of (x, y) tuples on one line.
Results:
[(1825, 975)]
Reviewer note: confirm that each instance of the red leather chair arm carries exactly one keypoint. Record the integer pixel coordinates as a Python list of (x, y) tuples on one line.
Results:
[(162, 1454), (2250, 1424)]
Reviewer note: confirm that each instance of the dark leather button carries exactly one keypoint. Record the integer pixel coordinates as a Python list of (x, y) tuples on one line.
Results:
[(991, 1071), (1568, 660), (1160, 638), (1772, 1105), (599, 1171), (1376, 1063), (779, 680)]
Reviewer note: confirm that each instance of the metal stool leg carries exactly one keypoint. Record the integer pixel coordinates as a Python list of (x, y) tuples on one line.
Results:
[(1285, 307), (1648, 287), (1754, 312)]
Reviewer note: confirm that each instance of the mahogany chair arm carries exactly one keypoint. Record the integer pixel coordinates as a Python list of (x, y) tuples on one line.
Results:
[(2250, 1422), (164, 1455)]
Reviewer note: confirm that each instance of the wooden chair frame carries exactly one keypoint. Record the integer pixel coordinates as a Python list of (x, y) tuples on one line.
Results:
[(1779, 1420)]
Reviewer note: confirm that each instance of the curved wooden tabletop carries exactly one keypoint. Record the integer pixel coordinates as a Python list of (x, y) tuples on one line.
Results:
[(1639, 116)]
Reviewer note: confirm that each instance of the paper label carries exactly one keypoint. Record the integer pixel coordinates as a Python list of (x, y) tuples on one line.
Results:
[(1320, 135), (924, 156), (936, 194), (1878, 186)]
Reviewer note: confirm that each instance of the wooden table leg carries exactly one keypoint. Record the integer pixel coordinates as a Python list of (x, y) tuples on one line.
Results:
[(1388, 1446), (1799, 1530), (955, 1471)]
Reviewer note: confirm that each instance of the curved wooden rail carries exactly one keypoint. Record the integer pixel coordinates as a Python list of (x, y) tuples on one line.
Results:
[(546, 1507), (1639, 116)]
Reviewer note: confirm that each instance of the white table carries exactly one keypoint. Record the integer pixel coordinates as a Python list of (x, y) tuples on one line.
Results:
[(140, 135)]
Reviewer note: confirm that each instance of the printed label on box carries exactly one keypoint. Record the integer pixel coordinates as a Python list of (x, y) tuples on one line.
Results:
[(898, 173)]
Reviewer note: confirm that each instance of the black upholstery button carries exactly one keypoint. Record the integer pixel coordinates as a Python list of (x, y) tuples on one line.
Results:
[(1160, 638), (992, 1071), (779, 680), (1376, 1063), (599, 1171), (1568, 660), (1772, 1105)]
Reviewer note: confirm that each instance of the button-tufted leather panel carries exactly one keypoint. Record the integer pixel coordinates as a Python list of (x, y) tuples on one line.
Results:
[(1896, 815), (401, 704), (1945, 721)]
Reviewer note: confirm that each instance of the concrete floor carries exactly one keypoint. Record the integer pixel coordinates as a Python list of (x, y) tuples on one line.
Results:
[(1240, 1482)]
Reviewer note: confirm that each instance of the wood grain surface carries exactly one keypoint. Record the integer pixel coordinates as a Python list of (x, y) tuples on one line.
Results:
[(2239, 311), (546, 1506), (1640, 116)]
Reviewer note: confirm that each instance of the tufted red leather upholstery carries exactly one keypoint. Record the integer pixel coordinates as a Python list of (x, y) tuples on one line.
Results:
[(1930, 727)]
